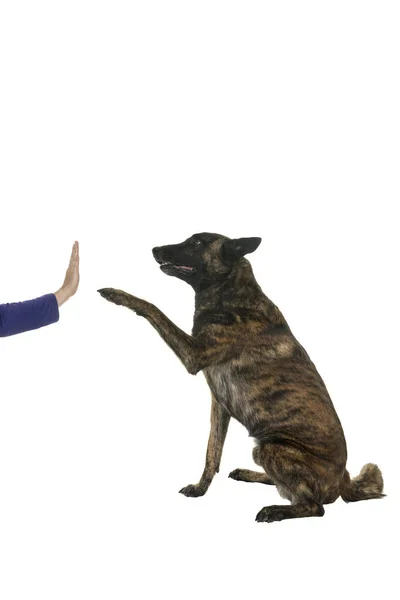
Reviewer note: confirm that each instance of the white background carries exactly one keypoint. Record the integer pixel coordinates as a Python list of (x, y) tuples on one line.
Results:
[(127, 125)]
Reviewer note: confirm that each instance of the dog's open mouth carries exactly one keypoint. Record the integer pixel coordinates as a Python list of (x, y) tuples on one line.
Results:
[(169, 267)]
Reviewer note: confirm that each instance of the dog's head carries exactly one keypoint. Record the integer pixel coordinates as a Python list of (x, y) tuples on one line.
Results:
[(204, 258)]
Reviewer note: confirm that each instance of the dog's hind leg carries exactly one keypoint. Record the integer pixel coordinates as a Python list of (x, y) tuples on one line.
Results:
[(299, 477), (250, 476), (269, 514), (219, 427)]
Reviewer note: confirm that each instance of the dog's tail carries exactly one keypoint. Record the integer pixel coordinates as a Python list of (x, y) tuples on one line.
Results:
[(368, 484)]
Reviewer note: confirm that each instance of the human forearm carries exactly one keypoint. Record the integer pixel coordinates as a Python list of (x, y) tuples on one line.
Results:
[(62, 295), (18, 317)]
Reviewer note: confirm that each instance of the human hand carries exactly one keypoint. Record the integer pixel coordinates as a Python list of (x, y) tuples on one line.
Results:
[(71, 280)]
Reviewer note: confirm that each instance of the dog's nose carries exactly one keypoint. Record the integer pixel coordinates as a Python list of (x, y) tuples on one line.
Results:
[(156, 250)]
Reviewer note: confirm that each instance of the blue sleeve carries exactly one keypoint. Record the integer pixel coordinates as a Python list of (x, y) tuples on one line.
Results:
[(31, 314)]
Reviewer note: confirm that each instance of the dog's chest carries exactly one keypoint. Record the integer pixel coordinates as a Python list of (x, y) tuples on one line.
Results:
[(230, 391)]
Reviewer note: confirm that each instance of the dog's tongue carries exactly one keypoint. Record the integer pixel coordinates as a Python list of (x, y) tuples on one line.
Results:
[(186, 268)]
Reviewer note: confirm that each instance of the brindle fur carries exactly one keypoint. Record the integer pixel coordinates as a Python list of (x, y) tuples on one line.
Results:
[(260, 375)]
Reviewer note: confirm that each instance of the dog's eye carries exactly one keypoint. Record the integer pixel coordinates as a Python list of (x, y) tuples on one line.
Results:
[(198, 242)]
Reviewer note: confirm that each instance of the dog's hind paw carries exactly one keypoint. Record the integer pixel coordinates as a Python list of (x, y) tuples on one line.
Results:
[(236, 474), (193, 491), (269, 514)]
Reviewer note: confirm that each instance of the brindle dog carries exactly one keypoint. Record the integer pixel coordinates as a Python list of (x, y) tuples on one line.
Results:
[(260, 375)]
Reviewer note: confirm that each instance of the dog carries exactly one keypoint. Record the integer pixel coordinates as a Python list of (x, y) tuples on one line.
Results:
[(260, 375)]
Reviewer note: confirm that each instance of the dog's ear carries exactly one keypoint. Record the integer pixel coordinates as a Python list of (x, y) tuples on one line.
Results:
[(235, 249)]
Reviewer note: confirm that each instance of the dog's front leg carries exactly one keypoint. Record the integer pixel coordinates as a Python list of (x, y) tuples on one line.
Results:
[(185, 347), (219, 426)]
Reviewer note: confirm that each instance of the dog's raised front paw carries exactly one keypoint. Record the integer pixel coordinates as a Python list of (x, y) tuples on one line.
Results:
[(112, 295)]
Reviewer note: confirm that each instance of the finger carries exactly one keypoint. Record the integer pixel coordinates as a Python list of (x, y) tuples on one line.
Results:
[(74, 255)]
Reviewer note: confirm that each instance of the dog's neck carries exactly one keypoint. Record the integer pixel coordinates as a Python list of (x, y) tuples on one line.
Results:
[(238, 293), (239, 284)]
